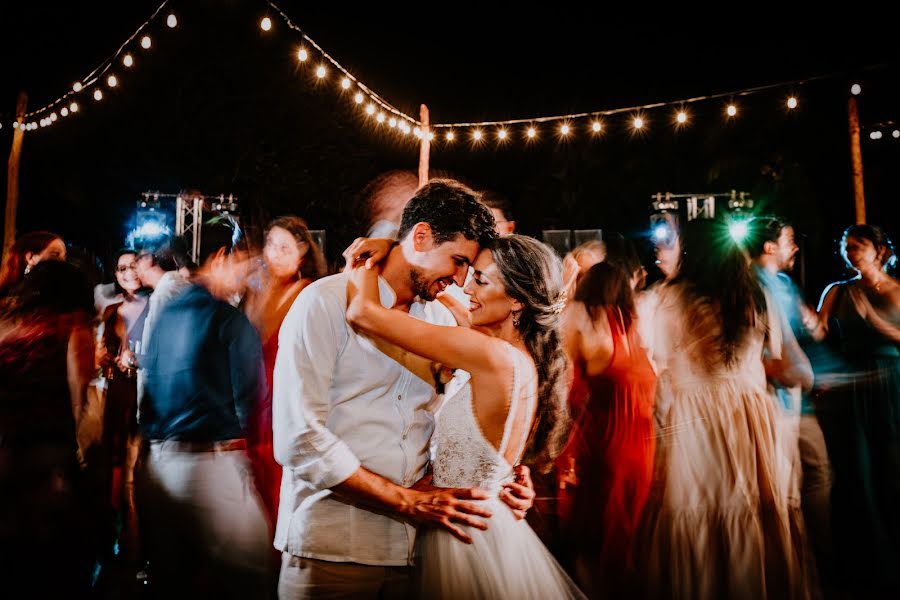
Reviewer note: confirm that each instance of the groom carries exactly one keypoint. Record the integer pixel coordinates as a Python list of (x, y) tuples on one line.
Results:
[(348, 420)]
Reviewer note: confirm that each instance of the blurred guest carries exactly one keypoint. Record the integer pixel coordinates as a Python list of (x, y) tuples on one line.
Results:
[(861, 420), (123, 326), (46, 362), (771, 245), (577, 262), (719, 524), (607, 467), (385, 198), (203, 521), (25, 253), (292, 260), (502, 211)]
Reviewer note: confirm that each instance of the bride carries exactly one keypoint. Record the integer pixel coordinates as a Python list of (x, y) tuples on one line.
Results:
[(506, 403)]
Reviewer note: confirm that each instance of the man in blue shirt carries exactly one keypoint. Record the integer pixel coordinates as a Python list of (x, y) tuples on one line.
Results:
[(205, 530), (771, 245)]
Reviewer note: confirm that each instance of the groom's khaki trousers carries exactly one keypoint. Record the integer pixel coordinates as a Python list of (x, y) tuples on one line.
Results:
[(311, 578)]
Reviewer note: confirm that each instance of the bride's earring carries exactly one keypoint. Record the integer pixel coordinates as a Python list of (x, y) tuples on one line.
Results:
[(516, 316)]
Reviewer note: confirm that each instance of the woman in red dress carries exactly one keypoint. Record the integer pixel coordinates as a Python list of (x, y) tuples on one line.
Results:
[(607, 468), (291, 261)]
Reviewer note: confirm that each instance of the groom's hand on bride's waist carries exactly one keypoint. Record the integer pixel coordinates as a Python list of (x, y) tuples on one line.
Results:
[(447, 508)]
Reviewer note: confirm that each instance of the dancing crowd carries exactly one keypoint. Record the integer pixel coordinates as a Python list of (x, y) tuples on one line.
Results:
[(457, 412)]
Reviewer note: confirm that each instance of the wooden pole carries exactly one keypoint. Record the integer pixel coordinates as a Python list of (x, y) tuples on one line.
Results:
[(424, 145), (12, 178), (856, 158)]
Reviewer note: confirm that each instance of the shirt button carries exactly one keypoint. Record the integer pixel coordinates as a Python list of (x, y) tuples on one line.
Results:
[(399, 397)]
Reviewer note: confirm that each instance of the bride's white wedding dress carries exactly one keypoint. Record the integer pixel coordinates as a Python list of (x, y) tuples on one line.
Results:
[(508, 560)]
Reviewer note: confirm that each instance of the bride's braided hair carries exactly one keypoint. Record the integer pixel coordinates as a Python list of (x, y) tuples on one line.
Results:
[(532, 274)]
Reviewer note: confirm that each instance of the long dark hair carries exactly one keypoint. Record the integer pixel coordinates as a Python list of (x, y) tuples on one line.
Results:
[(312, 265), (13, 270), (607, 286), (879, 239), (720, 290), (532, 274)]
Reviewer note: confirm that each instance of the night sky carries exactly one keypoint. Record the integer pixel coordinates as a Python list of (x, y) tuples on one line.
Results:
[(218, 105)]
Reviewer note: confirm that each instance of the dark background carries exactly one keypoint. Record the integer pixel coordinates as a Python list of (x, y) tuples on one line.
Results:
[(218, 105)]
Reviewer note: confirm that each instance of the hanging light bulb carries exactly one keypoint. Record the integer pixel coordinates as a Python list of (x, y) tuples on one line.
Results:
[(392, 122), (856, 89), (127, 60), (380, 117), (638, 123), (501, 135), (98, 95), (73, 107), (302, 55), (370, 109), (345, 83), (531, 132), (430, 135), (450, 136), (681, 117), (266, 24), (321, 71), (358, 98), (792, 103), (477, 135), (731, 110), (564, 130), (64, 112), (146, 42), (77, 87), (172, 21), (53, 116), (596, 126), (111, 81)]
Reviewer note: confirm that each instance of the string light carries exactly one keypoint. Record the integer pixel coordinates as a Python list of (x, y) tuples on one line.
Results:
[(501, 134), (146, 42), (430, 135), (77, 87), (127, 60), (358, 98), (64, 112), (856, 89), (875, 135), (380, 118), (266, 24), (531, 132), (302, 55), (73, 108), (321, 71), (731, 110), (450, 136), (392, 122), (345, 83), (370, 109), (53, 116), (681, 117), (98, 95), (792, 103), (172, 21), (111, 81), (564, 130), (895, 134), (477, 135), (596, 126), (638, 123)]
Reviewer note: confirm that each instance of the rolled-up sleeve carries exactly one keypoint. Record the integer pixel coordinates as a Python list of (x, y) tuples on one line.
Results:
[(309, 344)]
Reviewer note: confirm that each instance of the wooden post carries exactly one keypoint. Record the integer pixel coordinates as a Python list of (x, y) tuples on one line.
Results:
[(12, 178), (424, 145), (856, 158)]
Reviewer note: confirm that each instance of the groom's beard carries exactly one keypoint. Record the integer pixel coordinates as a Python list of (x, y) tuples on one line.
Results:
[(420, 286)]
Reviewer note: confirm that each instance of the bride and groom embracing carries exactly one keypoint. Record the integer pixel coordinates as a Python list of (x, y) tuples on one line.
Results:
[(354, 414)]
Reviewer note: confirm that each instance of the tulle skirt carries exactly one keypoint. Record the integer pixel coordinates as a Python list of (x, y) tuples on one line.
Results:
[(506, 561)]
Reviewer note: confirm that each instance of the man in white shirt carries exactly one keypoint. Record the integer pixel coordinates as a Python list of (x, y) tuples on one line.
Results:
[(352, 427)]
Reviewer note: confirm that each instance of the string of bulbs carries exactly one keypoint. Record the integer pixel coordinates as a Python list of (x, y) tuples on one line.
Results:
[(385, 114)]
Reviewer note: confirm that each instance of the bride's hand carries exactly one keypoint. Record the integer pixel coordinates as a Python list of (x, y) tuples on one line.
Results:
[(362, 292), (369, 250), (519, 494), (460, 313)]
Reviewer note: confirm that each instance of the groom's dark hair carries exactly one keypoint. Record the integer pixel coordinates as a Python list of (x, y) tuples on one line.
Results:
[(451, 209)]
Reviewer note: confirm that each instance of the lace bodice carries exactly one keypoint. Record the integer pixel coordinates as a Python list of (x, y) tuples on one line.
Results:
[(463, 457)]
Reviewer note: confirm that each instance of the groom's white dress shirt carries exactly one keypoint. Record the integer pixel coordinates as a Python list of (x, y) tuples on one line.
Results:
[(339, 404)]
